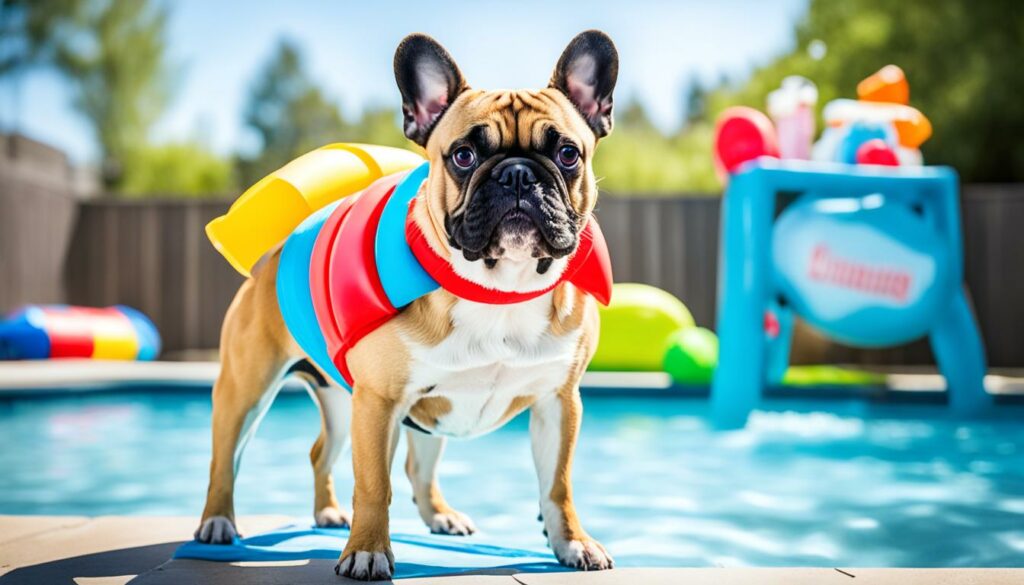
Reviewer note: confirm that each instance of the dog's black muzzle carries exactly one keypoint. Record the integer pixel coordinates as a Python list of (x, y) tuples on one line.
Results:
[(516, 196)]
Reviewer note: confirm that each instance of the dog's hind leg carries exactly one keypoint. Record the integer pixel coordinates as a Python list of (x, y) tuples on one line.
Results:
[(253, 362), (236, 415), (335, 418), (421, 466)]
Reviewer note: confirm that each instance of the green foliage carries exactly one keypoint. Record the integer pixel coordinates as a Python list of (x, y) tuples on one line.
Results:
[(112, 51), (377, 125), (962, 60), (180, 169), (637, 158), (289, 113)]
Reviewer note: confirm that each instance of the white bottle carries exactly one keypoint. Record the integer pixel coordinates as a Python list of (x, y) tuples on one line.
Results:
[(792, 109)]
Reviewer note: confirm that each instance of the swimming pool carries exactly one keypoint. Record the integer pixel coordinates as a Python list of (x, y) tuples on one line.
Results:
[(832, 483)]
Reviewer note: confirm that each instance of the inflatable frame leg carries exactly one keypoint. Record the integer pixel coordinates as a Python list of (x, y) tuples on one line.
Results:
[(743, 282), (778, 348), (960, 354)]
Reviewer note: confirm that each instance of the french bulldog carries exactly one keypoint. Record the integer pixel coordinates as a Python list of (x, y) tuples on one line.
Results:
[(509, 191)]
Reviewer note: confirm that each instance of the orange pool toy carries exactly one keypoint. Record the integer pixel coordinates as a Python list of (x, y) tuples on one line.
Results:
[(888, 84), (914, 129)]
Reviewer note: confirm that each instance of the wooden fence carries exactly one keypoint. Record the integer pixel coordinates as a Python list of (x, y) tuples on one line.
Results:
[(37, 213), (154, 255)]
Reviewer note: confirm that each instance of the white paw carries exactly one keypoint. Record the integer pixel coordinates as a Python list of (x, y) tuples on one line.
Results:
[(331, 517), (216, 530), (586, 555), (366, 566), (453, 523)]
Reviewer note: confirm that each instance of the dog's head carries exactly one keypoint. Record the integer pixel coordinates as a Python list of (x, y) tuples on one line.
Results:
[(511, 185)]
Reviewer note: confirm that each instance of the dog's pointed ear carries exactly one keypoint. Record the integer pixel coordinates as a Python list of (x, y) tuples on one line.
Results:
[(429, 81), (586, 73)]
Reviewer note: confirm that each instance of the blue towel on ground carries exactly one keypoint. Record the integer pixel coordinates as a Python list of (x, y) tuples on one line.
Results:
[(416, 555)]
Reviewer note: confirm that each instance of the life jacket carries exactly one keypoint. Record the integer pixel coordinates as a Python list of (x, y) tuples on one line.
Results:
[(353, 265)]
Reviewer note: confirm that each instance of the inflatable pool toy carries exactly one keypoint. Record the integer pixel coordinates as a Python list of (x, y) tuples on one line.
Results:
[(887, 85), (876, 152), (742, 134), (352, 265), (692, 356), (791, 107), (869, 272), (883, 105), (270, 210), (59, 331), (636, 326), (910, 127), (870, 257), (881, 113), (649, 329), (859, 134)]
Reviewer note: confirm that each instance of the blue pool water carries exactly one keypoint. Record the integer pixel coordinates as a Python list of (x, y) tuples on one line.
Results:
[(836, 483)]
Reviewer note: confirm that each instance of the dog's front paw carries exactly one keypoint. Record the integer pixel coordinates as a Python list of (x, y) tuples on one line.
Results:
[(452, 522), (331, 517), (585, 555), (366, 566), (216, 530)]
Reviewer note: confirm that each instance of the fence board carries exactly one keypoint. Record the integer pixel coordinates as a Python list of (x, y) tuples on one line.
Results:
[(37, 213), (153, 255)]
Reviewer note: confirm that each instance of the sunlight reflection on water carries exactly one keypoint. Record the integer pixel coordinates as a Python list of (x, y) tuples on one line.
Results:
[(804, 485)]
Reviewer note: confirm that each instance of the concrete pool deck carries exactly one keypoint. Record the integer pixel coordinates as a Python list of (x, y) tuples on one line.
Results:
[(115, 550)]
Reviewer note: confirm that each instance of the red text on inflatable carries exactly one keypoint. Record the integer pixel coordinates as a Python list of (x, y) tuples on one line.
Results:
[(889, 283)]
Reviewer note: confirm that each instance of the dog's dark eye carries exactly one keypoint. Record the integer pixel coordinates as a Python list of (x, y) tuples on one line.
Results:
[(464, 157), (568, 156)]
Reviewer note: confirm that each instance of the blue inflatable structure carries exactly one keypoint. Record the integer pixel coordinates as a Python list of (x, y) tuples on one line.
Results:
[(870, 256)]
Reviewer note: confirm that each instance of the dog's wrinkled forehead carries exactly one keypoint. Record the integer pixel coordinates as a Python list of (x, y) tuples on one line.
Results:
[(509, 123), (512, 121)]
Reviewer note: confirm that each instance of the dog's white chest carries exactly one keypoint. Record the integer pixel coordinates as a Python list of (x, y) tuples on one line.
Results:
[(494, 355)]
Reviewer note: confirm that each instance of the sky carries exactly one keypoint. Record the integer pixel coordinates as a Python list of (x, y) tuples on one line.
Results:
[(217, 48)]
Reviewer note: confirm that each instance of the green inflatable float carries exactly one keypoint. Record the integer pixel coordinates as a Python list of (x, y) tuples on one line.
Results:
[(636, 327), (692, 356), (647, 329)]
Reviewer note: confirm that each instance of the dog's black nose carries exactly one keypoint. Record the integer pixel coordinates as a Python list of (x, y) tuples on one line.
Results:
[(516, 175)]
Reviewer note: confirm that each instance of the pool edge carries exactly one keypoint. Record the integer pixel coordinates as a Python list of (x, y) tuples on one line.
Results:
[(137, 550)]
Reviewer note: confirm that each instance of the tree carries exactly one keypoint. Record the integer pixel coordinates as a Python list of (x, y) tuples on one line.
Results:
[(962, 60), (177, 169), (112, 52), (695, 103), (377, 125), (638, 158), (288, 112)]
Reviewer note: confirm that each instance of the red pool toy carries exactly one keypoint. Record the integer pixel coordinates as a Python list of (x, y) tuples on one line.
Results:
[(63, 331), (876, 152), (742, 134)]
